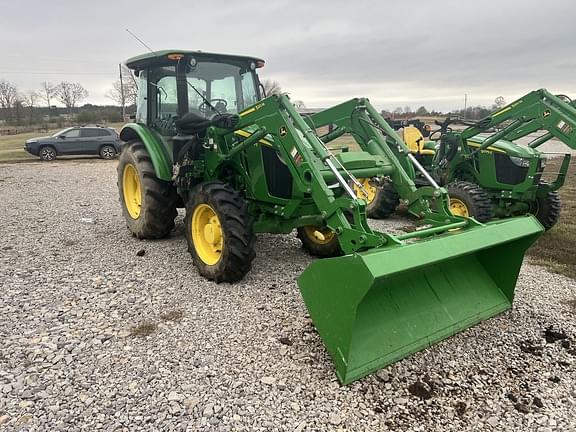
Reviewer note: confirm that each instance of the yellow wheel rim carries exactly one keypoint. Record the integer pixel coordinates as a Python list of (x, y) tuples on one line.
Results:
[(319, 235), (370, 193), (207, 234), (458, 208), (132, 191)]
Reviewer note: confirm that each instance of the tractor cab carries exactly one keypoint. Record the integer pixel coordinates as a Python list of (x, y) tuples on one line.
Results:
[(174, 83)]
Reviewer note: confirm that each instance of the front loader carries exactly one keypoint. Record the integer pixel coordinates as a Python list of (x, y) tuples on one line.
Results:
[(486, 171), (208, 140)]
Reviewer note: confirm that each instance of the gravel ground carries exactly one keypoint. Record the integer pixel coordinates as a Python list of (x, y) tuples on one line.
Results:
[(96, 337)]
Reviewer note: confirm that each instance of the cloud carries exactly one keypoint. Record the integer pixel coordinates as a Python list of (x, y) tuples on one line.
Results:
[(322, 52)]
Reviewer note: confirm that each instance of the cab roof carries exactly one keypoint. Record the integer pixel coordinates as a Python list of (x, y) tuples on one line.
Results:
[(162, 57)]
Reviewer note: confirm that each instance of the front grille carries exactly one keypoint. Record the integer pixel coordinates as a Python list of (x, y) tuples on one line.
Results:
[(507, 172)]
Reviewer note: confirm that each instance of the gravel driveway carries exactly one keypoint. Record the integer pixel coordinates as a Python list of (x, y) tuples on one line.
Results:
[(96, 337)]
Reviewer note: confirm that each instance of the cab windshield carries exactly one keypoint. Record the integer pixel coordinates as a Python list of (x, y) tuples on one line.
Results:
[(210, 87), (220, 87)]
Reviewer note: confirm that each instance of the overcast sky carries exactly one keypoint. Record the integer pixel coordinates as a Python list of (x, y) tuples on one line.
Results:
[(323, 52)]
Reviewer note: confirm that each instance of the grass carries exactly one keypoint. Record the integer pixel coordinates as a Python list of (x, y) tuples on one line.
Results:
[(12, 146), (555, 250)]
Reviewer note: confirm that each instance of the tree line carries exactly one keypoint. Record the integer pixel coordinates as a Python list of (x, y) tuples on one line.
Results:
[(31, 107)]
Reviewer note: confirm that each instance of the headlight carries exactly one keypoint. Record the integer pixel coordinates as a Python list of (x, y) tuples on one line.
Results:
[(521, 162)]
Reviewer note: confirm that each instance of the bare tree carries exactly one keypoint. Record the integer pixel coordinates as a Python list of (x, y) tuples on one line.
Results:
[(271, 87), (29, 100), (397, 112), (299, 105), (8, 94), (47, 93), (499, 102), (70, 94), (8, 97), (125, 93), (422, 111)]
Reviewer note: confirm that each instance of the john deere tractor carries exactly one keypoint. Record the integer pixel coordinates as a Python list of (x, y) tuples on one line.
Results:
[(488, 174), (207, 139)]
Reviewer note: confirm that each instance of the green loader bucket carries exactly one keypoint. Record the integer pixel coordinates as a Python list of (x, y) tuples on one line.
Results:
[(374, 308)]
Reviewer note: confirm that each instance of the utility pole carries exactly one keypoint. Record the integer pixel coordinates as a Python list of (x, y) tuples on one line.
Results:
[(465, 104), (122, 93)]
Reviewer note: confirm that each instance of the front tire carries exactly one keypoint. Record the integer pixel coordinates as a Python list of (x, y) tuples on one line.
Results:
[(219, 232), (148, 203), (547, 209), (319, 241), (384, 203), (47, 153), (470, 200), (107, 152)]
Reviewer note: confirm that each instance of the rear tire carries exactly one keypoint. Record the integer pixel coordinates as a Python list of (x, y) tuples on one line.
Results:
[(547, 209), (219, 232), (470, 200), (107, 152), (47, 153), (148, 203), (384, 203), (319, 241)]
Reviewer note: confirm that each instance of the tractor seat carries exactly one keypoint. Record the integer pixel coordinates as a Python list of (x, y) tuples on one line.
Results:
[(416, 143)]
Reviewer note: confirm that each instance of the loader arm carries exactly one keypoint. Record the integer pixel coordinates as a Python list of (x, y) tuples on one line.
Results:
[(537, 111), (375, 136), (312, 165)]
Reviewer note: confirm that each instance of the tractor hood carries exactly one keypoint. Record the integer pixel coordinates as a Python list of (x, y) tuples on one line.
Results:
[(504, 146)]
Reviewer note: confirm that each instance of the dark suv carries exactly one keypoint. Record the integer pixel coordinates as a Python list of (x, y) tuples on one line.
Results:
[(78, 140)]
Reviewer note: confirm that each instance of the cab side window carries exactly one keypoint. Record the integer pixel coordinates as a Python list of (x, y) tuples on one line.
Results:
[(164, 87)]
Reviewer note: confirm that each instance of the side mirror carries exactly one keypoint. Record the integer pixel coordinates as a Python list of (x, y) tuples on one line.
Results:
[(62, 136), (262, 91)]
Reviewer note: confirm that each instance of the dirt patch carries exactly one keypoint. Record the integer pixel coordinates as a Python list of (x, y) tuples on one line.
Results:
[(172, 315), (143, 329), (421, 390), (571, 304)]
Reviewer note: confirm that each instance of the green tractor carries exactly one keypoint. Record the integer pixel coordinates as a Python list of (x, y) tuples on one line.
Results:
[(487, 174), (207, 139)]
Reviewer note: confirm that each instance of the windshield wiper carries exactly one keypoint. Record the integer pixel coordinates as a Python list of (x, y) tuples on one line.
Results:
[(206, 101)]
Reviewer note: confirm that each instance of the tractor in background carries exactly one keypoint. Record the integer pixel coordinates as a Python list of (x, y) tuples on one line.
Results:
[(488, 174)]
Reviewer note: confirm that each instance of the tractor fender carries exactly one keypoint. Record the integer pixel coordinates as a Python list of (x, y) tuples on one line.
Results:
[(153, 143)]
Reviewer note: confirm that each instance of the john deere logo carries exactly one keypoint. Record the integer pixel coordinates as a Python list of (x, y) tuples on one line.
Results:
[(546, 114), (283, 131)]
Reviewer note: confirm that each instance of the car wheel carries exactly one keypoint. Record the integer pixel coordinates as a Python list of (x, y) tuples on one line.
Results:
[(47, 153), (107, 152)]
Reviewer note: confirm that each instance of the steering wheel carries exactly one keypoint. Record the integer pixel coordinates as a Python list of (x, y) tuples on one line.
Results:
[(205, 107)]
